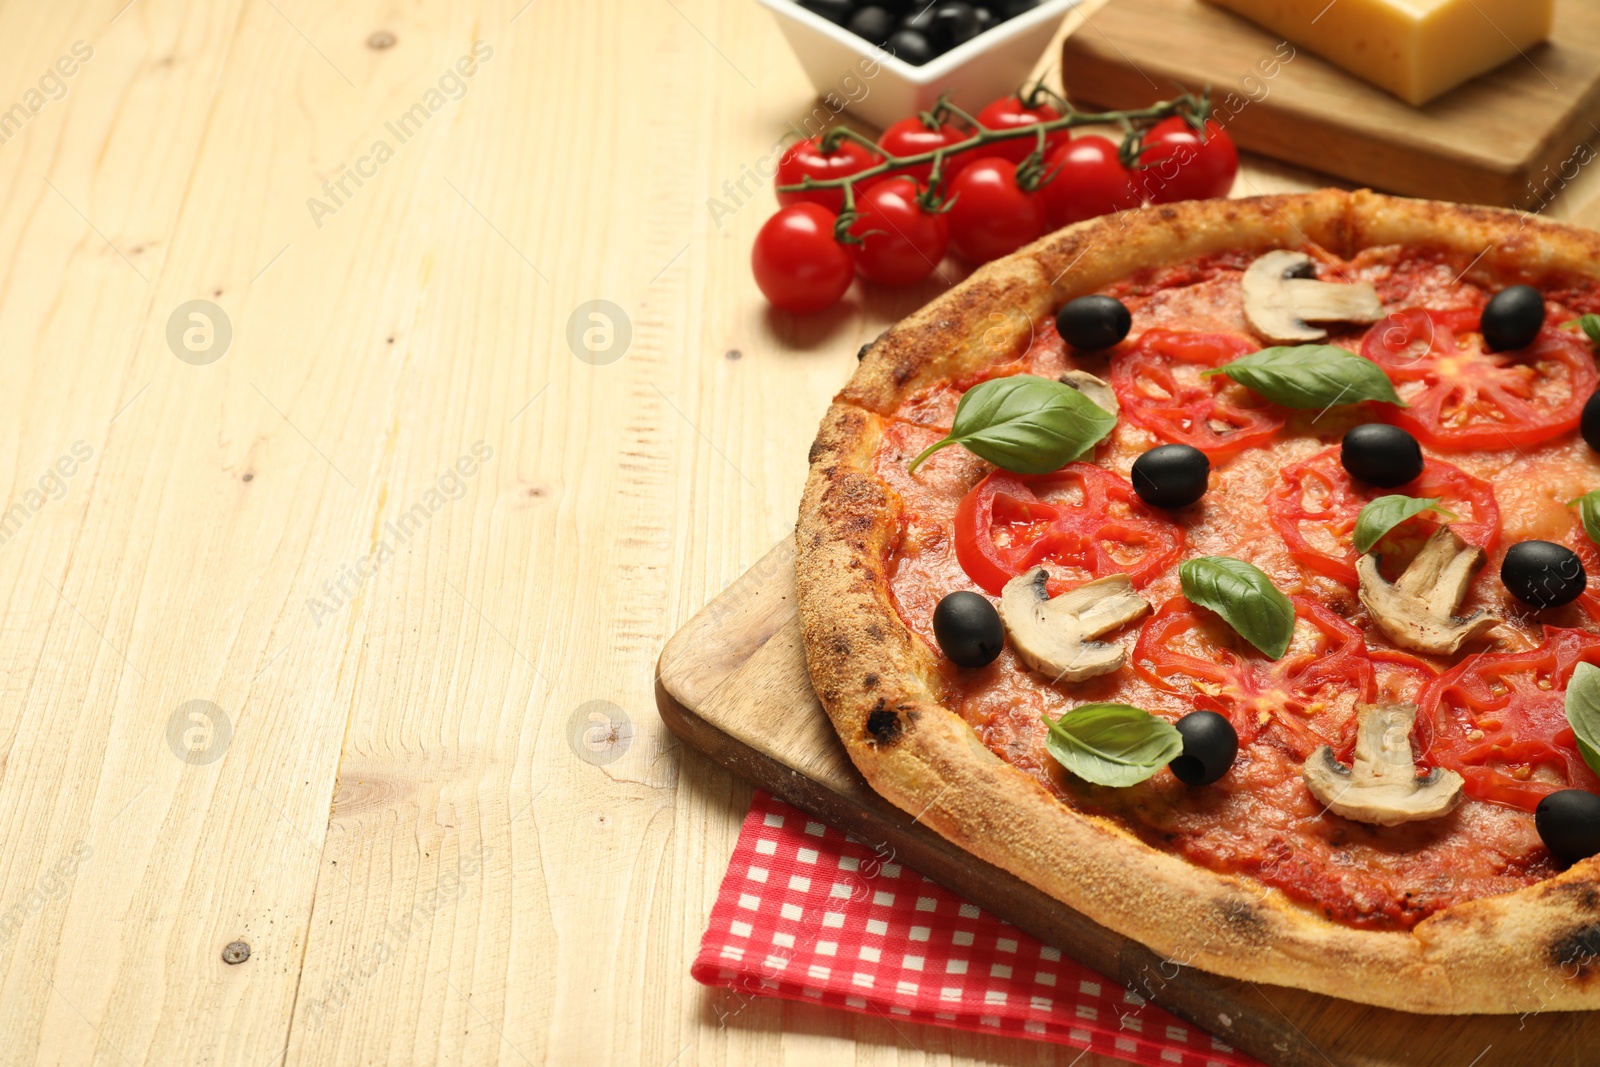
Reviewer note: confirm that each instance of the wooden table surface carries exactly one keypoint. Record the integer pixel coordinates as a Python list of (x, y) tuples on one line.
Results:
[(331, 601)]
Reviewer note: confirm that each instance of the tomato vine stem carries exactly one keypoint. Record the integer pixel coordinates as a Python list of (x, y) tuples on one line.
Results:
[(1186, 105)]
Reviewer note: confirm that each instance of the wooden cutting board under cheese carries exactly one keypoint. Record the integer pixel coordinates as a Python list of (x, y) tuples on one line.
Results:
[(1513, 137)]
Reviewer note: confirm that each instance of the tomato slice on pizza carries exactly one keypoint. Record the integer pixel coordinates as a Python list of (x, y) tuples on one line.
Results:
[(1316, 503), (1182, 649), (1082, 520), (1162, 386), (1460, 395), (1499, 720)]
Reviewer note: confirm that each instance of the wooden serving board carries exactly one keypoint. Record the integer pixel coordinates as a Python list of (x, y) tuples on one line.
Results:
[(733, 684), (1511, 137)]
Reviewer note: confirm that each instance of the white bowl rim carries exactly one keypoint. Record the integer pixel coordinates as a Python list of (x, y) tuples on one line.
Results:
[(942, 66)]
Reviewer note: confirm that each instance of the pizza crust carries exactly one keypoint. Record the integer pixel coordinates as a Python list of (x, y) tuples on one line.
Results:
[(1537, 949)]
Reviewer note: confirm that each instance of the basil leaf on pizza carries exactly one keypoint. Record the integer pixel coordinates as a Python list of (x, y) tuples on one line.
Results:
[(1311, 376), (1589, 324), (1386, 512), (1026, 424), (1589, 511), (1112, 744), (1583, 712), (1244, 597)]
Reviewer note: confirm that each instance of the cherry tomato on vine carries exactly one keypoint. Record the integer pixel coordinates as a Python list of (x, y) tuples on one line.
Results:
[(1089, 180), (798, 263), (911, 137), (902, 242), (990, 214), (1177, 163), (806, 158), (1009, 113)]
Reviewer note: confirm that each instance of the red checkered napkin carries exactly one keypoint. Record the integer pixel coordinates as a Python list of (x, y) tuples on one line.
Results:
[(809, 914)]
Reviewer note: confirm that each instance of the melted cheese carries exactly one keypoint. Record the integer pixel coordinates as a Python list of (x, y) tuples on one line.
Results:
[(1416, 49)]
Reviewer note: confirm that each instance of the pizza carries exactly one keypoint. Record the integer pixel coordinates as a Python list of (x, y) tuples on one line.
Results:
[(1261, 647)]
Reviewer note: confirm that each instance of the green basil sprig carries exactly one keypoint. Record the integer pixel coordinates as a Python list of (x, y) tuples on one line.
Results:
[(1244, 597), (1025, 424), (1311, 376), (1589, 511), (1386, 512), (1112, 744), (1583, 712)]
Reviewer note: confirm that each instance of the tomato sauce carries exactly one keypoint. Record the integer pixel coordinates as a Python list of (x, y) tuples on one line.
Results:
[(1260, 819)]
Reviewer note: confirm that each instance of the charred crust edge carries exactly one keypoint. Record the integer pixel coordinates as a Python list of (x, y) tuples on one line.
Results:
[(1576, 953), (884, 725)]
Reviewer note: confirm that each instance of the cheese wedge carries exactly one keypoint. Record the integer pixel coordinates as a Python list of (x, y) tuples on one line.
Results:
[(1416, 49)]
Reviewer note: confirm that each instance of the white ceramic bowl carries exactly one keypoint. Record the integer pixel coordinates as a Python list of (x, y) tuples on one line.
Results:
[(992, 64)]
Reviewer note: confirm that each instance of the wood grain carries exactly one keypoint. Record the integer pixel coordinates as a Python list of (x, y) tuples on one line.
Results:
[(1513, 137), (434, 851)]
